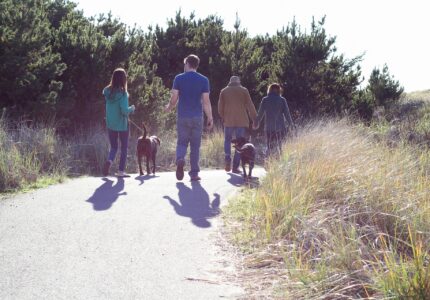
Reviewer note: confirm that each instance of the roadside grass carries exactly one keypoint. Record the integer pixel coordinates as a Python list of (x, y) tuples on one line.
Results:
[(339, 216), (34, 155)]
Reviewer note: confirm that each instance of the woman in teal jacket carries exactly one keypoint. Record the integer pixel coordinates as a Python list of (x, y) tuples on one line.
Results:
[(117, 111)]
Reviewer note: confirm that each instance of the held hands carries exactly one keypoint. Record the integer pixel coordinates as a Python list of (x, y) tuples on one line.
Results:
[(210, 123), (255, 125)]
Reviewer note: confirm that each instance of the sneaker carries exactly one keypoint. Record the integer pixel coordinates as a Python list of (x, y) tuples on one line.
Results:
[(106, 168), (227, 165), (195, 178), (121, 174), (236, 171), (180, 169)]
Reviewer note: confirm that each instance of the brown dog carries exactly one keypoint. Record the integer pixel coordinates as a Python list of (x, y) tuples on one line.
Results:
[(247, 154), (147, 146)]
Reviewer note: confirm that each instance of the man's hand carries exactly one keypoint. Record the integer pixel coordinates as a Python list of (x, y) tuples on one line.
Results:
[(174, 97), (255, 125)]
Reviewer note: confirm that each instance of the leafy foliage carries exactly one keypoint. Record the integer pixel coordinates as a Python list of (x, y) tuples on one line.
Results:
[(54, 62)]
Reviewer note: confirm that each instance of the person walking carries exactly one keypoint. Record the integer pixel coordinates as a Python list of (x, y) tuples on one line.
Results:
[(190, 92), (274, 109), (235, 108), (117, 111)]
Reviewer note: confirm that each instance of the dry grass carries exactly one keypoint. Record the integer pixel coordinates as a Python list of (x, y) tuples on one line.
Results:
[(340, 217), (35, 155)]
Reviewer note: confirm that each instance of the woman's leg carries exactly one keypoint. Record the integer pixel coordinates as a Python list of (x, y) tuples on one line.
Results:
[(113, 141), (123, 137)]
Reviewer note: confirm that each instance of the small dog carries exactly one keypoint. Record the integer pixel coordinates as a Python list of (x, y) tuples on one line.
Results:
[(247, 154), (147, 146)]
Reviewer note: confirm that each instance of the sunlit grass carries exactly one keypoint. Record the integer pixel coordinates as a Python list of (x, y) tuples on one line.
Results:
[(338, 205)]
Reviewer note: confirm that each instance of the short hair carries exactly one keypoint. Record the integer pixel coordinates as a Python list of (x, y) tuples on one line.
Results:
[(192, 60), (275, 88)]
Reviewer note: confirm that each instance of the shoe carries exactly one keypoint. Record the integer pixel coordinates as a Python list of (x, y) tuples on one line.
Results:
[(195, 178), (227, 165), (121, 174), (236, 171), (180, 169), (106, 168)]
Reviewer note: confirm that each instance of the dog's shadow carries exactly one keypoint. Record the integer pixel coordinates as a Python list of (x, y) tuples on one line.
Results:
[(238, 180), (106, 194), (195, 204), (143, 178)]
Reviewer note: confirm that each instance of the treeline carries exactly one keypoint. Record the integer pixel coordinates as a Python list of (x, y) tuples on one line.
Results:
[(54, 62)]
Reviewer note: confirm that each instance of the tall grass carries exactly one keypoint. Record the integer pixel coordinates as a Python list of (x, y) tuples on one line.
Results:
[(28, 153), (32, 153), (350, 216)]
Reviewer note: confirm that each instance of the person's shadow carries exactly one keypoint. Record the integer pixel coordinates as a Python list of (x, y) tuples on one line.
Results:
[(195, 204), (106, 194)]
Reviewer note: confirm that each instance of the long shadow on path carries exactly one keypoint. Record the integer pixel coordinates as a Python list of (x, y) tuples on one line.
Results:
[(106, 194), (195, 204)]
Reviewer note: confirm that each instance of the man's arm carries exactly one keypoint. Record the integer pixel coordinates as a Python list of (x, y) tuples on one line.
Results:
[(206, 102), (260, 115), (221, 105), (250, 108), (174, 97)]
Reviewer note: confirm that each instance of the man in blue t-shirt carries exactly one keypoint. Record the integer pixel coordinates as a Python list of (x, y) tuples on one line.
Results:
[(191, 92)]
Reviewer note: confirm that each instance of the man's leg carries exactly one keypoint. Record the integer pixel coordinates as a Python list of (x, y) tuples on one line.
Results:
[(183, 138), (228, 135), (239, 132), (195, 141)]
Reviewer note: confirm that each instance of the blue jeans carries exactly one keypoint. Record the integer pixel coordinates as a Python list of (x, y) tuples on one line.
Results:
[(189, 131), (228, 136), (113, 140)]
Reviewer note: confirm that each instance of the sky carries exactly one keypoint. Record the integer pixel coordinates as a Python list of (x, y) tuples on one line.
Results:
[(396, 33)]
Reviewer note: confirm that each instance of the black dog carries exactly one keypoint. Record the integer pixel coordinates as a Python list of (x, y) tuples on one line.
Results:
[(147, 146), (247, 154)]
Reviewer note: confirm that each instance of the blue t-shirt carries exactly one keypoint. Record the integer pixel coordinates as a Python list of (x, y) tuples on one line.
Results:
[(191, 85)]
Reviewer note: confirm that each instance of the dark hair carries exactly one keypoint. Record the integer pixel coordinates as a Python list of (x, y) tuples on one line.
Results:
[(192, 60), (118, 81), (275, 88)]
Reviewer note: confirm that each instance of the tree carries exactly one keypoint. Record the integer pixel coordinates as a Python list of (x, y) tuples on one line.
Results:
[(315, 79), (384, 89), (29, 68)]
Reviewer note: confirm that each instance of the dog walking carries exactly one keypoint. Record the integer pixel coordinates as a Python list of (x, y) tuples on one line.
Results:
[(274, 109), (235, 108), (117, 112), (190, 92)]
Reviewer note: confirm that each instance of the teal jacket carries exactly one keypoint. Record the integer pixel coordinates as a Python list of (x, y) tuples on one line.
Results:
[(275, 109), (117, 110)]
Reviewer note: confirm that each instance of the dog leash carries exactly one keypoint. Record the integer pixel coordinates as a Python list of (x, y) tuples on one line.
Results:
[(137, 126)]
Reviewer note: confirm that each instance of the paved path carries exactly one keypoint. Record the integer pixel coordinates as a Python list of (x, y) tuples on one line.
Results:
[(107, 238)]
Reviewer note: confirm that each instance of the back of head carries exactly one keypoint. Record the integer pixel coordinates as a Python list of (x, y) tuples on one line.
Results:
[(274, 88), (192, 60), (234, 80), (118, 81)]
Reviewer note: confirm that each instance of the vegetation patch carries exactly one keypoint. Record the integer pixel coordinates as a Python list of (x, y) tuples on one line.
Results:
[(339, 216)]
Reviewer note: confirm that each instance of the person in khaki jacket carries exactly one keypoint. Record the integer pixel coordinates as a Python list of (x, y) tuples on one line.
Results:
[(235, 108)]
